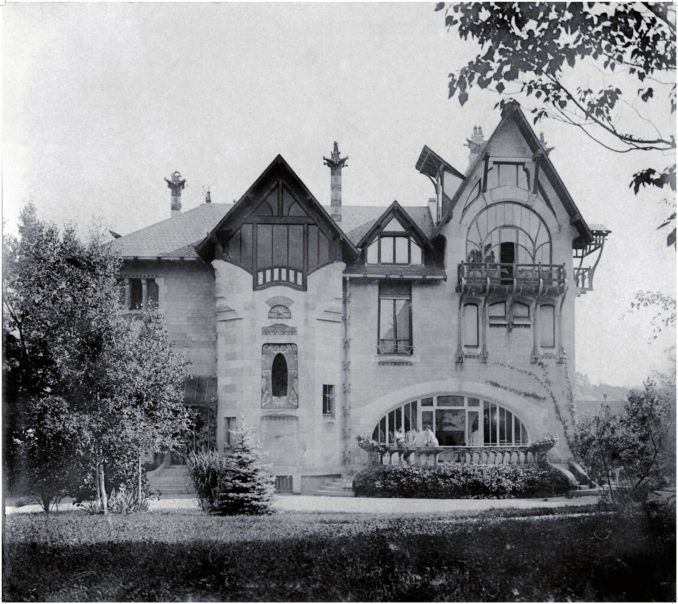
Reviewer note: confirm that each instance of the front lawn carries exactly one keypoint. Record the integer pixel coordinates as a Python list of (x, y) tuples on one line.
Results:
[(330, 557)]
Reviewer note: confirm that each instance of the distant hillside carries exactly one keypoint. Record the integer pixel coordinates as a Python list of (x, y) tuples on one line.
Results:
[(585, 391)]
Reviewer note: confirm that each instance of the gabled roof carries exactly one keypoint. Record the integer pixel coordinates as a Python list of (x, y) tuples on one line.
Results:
[(395, 210), (512, 111), (174, 237), (430, 164), (242, 208)]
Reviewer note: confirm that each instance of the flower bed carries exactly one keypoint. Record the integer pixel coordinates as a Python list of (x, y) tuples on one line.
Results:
[(459, 481)]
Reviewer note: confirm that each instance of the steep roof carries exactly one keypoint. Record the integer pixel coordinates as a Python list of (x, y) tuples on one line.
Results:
[(512, 111), (176, 237), (173, 238)]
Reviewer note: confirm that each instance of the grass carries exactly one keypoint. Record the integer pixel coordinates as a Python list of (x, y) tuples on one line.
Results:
[(331, 557)]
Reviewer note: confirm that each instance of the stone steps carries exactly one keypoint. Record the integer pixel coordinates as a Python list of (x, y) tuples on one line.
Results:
[(336, 487), (171, 480)]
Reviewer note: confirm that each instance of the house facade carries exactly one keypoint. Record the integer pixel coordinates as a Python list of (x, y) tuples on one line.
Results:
[(320, 324)]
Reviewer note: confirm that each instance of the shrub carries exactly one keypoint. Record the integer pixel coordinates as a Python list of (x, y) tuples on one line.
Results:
[(236, 483), (455, 481)]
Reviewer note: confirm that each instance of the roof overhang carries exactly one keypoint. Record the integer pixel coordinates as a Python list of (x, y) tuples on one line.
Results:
[(431, 164)]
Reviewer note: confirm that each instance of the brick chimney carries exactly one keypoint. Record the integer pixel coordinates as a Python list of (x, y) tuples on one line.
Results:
[(475, 144), (336, 163), (176, 185)]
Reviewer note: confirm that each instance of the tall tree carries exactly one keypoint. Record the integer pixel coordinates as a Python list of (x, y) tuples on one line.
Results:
[(116, 372), (535, 48)]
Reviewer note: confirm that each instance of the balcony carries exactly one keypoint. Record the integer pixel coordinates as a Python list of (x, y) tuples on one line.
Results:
[(482, 278)]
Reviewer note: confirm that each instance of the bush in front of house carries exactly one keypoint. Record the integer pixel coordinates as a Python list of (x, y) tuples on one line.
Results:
[(459, 481), (234, 483)]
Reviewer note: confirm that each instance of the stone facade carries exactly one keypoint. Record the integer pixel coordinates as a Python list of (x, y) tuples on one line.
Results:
[(289, 308)]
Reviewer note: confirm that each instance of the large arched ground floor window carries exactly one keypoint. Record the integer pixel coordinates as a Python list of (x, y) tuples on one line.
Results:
[(457, 420)]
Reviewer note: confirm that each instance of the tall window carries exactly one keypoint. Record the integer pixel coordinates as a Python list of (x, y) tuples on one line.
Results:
[(547, 325), (471, 325), (138, 292), (395, 318), (328, 399), (509, 232), (279, 376)]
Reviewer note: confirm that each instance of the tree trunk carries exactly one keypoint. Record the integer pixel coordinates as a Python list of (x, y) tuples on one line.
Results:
[(140, 479), (102, 489)]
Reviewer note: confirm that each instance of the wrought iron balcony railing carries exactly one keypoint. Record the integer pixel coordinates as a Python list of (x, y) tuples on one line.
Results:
[(489, 276)]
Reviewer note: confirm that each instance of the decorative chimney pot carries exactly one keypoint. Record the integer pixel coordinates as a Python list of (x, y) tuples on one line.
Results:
[(336, 164)]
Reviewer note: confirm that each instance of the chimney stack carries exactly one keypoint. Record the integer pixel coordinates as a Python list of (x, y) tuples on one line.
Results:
[(336, 163), (475, 144), (176, 185), (208, 197)]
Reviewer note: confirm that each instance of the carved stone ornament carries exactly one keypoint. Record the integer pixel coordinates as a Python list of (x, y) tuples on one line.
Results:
[(279, 329), (279, 311)]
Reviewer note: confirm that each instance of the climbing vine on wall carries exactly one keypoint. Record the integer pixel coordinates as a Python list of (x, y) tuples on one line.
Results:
[(566, 418)]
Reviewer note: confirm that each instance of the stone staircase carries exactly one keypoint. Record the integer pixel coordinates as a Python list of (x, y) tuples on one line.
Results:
[(336, 487), (171, 481)]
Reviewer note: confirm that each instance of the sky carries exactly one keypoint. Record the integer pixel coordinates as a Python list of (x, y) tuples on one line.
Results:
[(101, 102)]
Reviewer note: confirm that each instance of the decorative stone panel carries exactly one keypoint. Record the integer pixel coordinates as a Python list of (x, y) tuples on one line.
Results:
[(279, 329), (268, 354)]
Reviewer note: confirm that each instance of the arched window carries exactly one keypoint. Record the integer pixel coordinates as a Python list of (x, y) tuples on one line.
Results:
[(509, 232), (279, 376), (457, 420)]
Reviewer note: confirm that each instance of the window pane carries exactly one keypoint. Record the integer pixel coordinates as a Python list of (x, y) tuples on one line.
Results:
[(473, 435), (386, 326), (152, 291), (323, 249), (427, 419), (296, 249), (451, 427), (135, 293), (233, 247), (312, 247), (279, 245), (246, 245), (498, 310), (427, 402), (387, 250), (402, 310), (471, 325), (401, 250), (373, 252), (450, 400), (279, 376), (264, 245), (415, 252), (547, 326), (521, 311)]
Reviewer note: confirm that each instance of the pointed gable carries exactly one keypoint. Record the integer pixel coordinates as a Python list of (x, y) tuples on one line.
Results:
[(395, 219), (277, 231), (507, 170)]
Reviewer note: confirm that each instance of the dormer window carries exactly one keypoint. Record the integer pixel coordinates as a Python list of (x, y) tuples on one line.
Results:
[(394, 248)]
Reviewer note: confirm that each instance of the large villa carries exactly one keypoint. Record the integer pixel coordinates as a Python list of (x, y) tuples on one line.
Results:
[(321, 323)]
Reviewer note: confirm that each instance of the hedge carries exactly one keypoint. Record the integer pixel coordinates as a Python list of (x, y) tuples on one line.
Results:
[(456, 481)]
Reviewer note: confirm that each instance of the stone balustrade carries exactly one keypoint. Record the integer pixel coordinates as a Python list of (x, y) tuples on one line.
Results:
[(501, 454)]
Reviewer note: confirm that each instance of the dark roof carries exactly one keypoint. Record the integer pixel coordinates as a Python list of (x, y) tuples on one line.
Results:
[(174, 237)]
